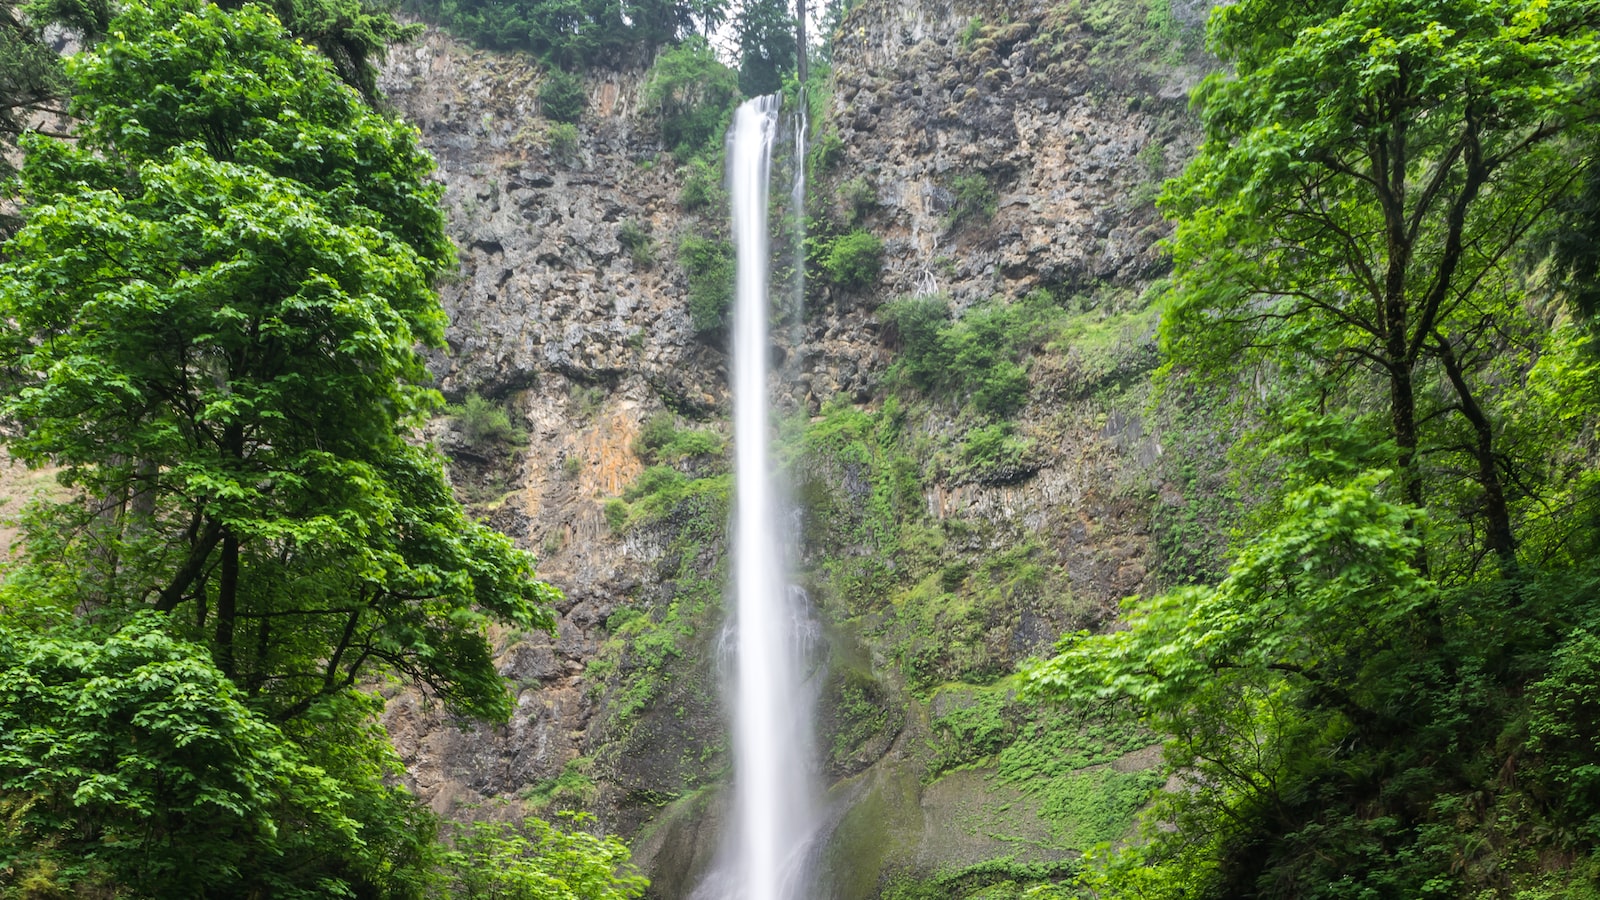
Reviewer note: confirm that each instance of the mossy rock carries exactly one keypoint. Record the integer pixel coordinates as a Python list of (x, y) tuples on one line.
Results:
[(858, 722)]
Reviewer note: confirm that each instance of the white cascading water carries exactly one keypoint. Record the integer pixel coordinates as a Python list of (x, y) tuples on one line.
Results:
[(774, 813)]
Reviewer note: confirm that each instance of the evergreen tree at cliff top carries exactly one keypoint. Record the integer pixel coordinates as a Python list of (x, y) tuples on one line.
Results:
[(1383, 697), (574, 33)]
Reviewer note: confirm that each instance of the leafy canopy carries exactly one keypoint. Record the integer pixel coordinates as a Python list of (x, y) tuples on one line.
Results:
[(213, 314), (136, 760), (1362, 707), (1355, 216)]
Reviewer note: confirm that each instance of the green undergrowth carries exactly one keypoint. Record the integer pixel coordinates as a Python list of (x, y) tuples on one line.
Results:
[(573, 789), (942, 608), (859, 488), (661, 492), (992, 359), (1065, 760), (1199, 505), (995, 879), (857, 711), (850, 260), (644, 650), (994, 454), (959, 621)]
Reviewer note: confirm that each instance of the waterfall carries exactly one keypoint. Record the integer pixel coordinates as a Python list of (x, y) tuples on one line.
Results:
[(774, 811)]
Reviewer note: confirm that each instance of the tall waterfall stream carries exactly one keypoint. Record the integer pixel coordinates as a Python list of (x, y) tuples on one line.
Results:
[(775, 812)]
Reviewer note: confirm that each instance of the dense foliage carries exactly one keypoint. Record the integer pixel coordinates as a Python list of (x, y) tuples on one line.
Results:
[(693, 95), (212, 314), (1381, 697), (535, 860), (131, 761)]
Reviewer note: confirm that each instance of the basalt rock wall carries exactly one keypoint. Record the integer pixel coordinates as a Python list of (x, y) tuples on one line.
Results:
[(998, 151)]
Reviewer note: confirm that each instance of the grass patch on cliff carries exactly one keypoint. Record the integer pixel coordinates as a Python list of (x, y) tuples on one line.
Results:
[(692, 95), (662, 492), (573, 789), (1066, 760), (974, 201), (662, 440), (995, 454), (1116, 39), (879, 555)]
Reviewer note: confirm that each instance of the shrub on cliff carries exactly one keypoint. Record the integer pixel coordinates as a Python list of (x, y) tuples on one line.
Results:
[(692, 95), (978, 360), (851, 260), (485, 424), (709, 264)]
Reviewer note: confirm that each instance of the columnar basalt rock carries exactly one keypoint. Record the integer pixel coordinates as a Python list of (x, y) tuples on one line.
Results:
[(585, 340)]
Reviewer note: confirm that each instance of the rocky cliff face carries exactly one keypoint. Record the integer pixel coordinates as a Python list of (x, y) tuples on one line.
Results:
[(1000, 151)]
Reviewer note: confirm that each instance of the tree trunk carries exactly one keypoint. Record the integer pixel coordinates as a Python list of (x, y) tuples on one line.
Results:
[(227, 604), (800, 43), (1497, 515)]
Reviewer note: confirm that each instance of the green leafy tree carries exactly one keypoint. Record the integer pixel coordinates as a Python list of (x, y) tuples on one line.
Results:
[(131, 763), (211, 317), (1369, 178), (693, 94), (575, 33), (1353, 243), (352, 34), (535, 860)]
